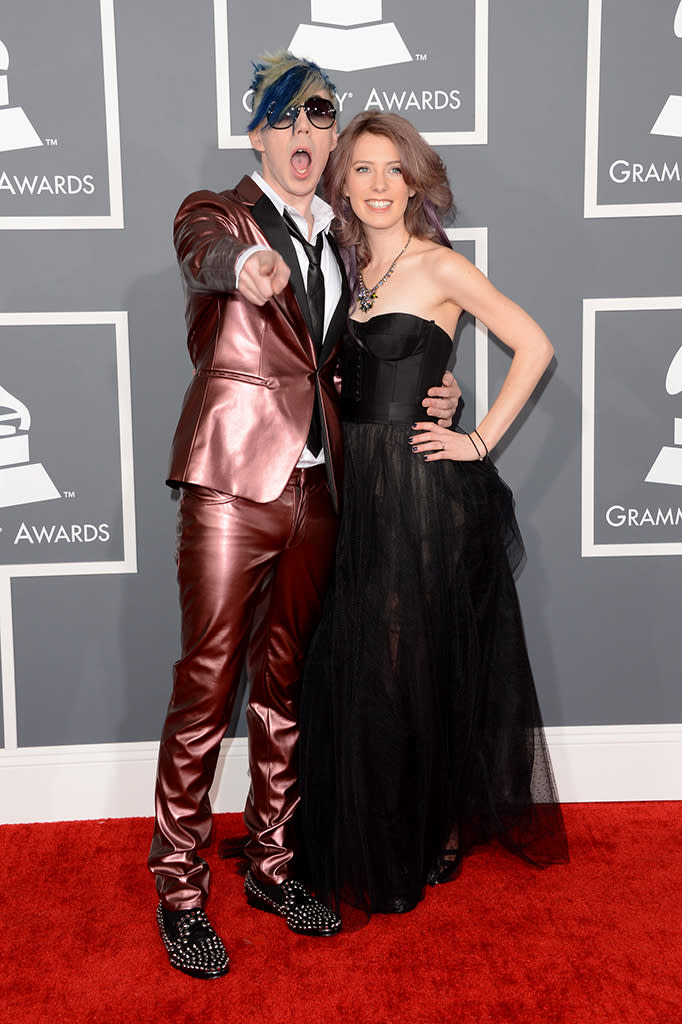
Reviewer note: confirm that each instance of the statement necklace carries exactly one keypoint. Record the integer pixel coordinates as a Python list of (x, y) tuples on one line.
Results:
[(367, 296)]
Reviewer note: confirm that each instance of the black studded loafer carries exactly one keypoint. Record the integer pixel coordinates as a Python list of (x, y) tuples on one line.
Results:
[(292, 901), (191, 943)]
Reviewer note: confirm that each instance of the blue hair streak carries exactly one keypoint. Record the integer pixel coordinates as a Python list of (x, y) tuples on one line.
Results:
[(281, 81)]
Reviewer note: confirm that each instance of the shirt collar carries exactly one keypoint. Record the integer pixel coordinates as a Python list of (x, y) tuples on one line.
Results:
[(321, 211)]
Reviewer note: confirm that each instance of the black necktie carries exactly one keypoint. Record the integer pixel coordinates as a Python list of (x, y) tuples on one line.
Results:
[(315, 296), (315, 282)]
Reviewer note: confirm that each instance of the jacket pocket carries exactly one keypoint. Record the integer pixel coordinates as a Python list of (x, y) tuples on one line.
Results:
[(245, 378)]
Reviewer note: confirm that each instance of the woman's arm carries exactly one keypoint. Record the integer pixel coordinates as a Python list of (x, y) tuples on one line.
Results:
[(532, 351)]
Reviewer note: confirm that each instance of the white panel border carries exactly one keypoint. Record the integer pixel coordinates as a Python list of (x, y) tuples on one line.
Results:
[(477, 137), (592, 207), (607, 763), (590, 309), (114, 219), (479, 236), (119, 320)]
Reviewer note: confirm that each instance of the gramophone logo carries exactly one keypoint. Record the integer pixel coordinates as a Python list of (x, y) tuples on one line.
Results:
[(349, 36), (426, 61), (68, 387), (16, 131), (667, 469), (669, 121), (60, 154), (633, 168), (630, 439), (21, 481)]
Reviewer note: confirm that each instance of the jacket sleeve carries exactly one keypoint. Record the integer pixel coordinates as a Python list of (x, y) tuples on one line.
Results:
[(206, 243)]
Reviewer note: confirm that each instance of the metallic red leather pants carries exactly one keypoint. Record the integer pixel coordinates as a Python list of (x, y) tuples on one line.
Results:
[(252, 578)]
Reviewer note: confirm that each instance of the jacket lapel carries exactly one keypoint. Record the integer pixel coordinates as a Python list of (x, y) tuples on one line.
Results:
[(340, 315), (275, 230), (273, 227)]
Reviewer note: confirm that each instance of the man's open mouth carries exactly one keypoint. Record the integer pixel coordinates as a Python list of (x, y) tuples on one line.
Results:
[(301, 161)]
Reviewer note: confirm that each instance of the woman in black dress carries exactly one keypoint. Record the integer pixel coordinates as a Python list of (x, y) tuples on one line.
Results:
[(421, 732)]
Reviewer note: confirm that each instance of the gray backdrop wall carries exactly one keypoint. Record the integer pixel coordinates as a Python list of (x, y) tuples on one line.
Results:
[(561, 126)]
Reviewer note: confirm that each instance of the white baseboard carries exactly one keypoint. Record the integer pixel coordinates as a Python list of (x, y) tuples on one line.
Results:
[(113, 780), (591, 764)]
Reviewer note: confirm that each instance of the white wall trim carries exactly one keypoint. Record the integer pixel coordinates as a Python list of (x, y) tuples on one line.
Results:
[(617, 762), (111, 780), (591, 764)]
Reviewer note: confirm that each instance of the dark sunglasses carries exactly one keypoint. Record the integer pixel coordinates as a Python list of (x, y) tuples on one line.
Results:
[(320, 112)]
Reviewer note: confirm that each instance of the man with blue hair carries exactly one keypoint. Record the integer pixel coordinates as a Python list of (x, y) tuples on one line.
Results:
[(257, 455)]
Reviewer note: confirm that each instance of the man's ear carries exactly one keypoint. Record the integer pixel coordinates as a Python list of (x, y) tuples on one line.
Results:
[(256, 140), (335, 137)]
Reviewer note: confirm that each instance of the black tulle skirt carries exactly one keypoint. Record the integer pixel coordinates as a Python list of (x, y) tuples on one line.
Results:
[(421, 734)]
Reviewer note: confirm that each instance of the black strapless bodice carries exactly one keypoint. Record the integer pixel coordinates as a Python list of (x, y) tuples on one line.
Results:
[(388, 371)]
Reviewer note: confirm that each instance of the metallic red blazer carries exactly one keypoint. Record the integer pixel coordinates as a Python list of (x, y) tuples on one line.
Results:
[(247, 410)]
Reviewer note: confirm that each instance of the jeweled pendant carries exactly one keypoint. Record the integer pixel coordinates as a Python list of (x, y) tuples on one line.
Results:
[(366, 296), (366, 299)]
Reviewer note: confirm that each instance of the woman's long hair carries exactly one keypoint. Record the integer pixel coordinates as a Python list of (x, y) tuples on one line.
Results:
[(422, 168)]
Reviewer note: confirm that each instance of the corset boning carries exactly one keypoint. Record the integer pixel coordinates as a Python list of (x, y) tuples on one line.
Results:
[(388, 371)]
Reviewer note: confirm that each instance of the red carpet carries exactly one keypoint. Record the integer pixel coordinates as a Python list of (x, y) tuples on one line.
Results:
[(599, 940)]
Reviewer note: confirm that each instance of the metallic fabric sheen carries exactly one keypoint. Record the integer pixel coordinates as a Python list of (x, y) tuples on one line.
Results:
[(256, 535), (247, 410), (252, 578)]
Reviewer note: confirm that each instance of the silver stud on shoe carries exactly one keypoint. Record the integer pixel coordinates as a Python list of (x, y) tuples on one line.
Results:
[(304, 914), (192, 945)]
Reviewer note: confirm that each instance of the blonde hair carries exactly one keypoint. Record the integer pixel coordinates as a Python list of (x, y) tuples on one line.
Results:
[(282, 80)]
